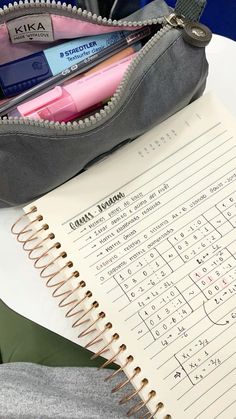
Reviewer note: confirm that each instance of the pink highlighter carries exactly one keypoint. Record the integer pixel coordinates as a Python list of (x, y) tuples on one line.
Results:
[(65, 103)]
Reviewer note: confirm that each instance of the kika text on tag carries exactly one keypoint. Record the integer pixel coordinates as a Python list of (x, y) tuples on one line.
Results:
[(31, 28)]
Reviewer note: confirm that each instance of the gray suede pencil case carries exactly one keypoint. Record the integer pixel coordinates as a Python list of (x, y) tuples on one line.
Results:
[(167, 74)]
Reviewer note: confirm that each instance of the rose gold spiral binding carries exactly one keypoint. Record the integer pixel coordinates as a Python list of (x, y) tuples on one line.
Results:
[(99, 337), (53, 275), (56, 245), (69, 293), (47, 265), (33, 209), (122, 348), (129, 359), (88, 329), (159, 406), (50, 236), (70, 312), (140, 405), (106, 347), (123, 383), (81, 320), (34, 237), (130, 396), (76, 307), (134, 393), (24, 229), (61, 283)]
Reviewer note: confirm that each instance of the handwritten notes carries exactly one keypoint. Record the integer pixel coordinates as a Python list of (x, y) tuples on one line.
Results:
[(157, 244)]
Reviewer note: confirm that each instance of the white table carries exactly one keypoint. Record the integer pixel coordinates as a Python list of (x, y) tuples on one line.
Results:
[(28, 297)]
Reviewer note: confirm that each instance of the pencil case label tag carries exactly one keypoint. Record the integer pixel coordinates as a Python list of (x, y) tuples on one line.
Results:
[(31, 28)]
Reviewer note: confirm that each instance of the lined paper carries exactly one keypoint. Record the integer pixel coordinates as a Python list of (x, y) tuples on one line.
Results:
[(152, 229)]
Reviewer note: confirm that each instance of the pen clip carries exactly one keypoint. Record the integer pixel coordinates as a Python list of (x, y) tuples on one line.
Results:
[(140, 34)]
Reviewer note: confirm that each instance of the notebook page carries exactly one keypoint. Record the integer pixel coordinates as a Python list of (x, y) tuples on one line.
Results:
[(152, 230)]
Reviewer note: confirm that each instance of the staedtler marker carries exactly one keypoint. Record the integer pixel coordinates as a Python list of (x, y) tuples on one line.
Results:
[(22, 74), (76, 69)]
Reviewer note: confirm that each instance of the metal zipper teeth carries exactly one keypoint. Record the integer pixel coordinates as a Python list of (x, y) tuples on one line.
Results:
[(50, 6), (85, 124)]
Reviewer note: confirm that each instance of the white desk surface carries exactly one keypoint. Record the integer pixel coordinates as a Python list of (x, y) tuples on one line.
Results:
[(28, 297)]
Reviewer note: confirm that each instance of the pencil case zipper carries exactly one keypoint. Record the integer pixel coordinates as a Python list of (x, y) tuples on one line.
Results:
[(84, 125)]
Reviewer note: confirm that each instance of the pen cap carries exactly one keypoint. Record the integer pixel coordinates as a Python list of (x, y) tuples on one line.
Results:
[(15, 114), (57, 103), (63, 109), (22, 74)]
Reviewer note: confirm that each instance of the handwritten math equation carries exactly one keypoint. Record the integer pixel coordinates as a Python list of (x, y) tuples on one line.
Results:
[(135, 263), (164, 306)]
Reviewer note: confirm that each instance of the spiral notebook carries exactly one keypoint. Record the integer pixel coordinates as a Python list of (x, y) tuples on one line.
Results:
[(139, 252)]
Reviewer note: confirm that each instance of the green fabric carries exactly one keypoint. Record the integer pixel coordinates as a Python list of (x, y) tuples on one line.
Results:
[(22, 340), (191, 9)]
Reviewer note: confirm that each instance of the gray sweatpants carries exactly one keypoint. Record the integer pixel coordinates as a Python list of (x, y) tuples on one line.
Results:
[(32, 391)]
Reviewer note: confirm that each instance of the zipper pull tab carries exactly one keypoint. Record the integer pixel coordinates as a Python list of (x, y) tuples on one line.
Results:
[(195, 33)]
